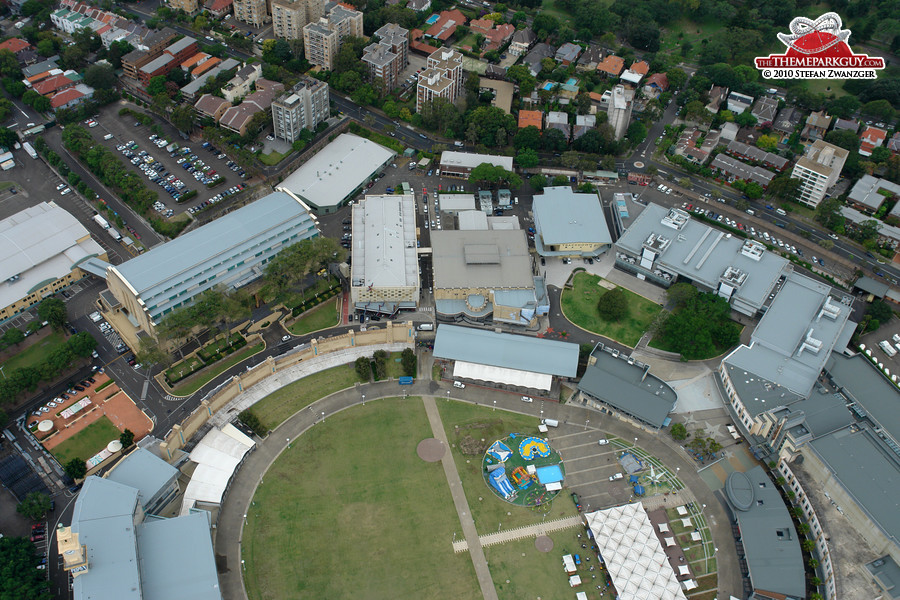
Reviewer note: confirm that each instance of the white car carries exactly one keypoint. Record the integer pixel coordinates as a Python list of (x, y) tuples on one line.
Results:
[(603, 442), (66, 191), (459, 385), (616, 477), (527, 399), (285, 338), (60, 187)]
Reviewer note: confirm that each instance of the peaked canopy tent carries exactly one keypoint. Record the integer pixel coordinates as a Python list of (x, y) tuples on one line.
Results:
[(636, 561)]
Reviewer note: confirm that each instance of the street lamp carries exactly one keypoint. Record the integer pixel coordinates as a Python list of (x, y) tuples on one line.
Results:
[(495, 405), (635, 443), (323, 415), (364, 399), (586, 421)]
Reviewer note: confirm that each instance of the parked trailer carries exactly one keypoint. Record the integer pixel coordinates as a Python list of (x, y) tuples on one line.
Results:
[(114, 234), (101, 221), (30, 150)]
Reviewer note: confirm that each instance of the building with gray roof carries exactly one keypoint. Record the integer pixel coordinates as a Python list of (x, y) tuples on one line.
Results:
[(155, 479), (114, 551), (770, 543), (486, 275), (869, 193), (337, 172), (888, 235), (516, 361), (625, 387), (886, 574), (460, 164), (229, 252), (570, 223), (384, 274), (734, 169), (664, 245)]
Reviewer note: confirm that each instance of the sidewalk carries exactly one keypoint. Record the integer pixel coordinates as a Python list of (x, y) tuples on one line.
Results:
[(529, 531)]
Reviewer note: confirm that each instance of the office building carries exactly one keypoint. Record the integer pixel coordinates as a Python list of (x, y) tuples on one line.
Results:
[(304, 107), (620, 110), (818, 170), (252, 12), (384, 276), (570, 224), (442, 77), (289, 17), (229, 252), (322, 39), (41, 249)]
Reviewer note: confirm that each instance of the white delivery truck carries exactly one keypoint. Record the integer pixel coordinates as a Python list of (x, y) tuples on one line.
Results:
[(29, 149), (114, 234), (101, 222), (551, 422)]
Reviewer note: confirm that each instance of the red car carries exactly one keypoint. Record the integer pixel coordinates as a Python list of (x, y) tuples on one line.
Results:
[(37, 526), (37, 537)]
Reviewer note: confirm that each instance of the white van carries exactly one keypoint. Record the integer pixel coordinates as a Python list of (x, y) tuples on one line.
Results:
[(96, 317), (425, 327), (616, 477), (886, 346), (550, 422), (780, 211), (459, 384)]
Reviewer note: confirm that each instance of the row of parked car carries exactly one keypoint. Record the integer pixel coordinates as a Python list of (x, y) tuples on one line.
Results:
[(222, 156), (217, 198), (70, 393), (154, 170)]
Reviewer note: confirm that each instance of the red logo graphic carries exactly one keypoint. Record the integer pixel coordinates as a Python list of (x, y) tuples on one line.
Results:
[(820, 45)]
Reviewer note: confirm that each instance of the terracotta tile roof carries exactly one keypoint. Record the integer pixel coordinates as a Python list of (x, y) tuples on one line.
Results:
[(201, 69), (531, 117), (64, 97), (52, 84), (15, 45), (612, 64), (659, 80), (640, 67)]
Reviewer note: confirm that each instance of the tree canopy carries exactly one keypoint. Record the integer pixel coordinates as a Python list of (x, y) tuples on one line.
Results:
[(486, 173), (34, 506), (700, 327), (19, 578), (613, 305)]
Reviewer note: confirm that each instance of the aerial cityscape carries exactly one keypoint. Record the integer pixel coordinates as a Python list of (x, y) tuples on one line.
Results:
[(547, 299)]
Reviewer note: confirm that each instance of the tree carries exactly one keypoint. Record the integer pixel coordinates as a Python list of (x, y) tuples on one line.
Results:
[(554, 140), (678, 432), (843, 107), (538, 182), (380, 359), (843, 138), (409, 362), (156, 86), (75, 468), (18, 577), (150, 352), (46, 48), (34, 506), (695, 111), (681, 294), (13, 336), (637, 133), (527, 137), (8, 138), (769, 143), (527, 158), (9, 64), (183, 117), (249, 418), (53, 310), (613, 305), (784, 187), (363, 368), (745, 119), (685, 182), (676, 77), (100, 76), (126, 438)]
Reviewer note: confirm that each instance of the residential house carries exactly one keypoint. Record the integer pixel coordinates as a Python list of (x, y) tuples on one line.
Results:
[(236, 118), (655, 85), (590, 58), (688, 148), (871, 138), (757, 155), (717, 93), (817, 125), (635, 73), (495, 72), (738, 103), (240, 85), (894, 143), (15, 45), (71, 97), (583, 124), (567, 53), (533, 59), (787, 120), (764, 110), (495, 37), (195, 61), (445, 26), (521, 42), (611, 66), (174, 54), (418, 5), (53, 84), (869, 193), (888, 235), (531, 118), (557, 119), (211, 107), (729, 131), (846, 125), (218, 9)]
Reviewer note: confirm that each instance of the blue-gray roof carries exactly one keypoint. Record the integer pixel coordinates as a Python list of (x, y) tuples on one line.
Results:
[(866, 386), (506, 350), (144, 471), (614, 381), (771, 544), (171, 274), (562, 216)]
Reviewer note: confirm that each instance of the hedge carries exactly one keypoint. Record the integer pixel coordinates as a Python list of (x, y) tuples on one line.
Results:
[(187, 196)]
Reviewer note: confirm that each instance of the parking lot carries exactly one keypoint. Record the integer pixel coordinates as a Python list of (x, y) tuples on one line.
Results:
[(170, 170)]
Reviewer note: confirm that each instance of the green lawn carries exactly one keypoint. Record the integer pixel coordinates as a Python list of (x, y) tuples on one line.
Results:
[(321, 317), (35, 353), (87, 442), (217, 369), (272, 158), (534, 574), (580, 307), (549, 7), (394, 366), (685, 30), (350, 511), (281, 404), (488, 510)]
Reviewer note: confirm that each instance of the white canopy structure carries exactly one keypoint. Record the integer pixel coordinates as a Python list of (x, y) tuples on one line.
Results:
[(569, 563), (687, 523), (695, 536), (636, 561), (689, 584), (683, 570), (574, 581), (682, 510), (217, 456), (670, 542), (478, 372), (663, 527), (581, 596)]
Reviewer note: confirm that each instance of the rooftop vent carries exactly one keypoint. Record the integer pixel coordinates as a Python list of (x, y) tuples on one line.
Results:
[(753, 250), (810, 343), (657, 243), (676, 219), (734, 277), (829, 310)]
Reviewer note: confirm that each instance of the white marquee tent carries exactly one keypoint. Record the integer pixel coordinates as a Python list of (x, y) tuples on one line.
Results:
[(634, 557), (217, 456), (528, 379)]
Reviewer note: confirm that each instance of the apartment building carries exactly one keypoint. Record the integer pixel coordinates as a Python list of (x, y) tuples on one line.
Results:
[(442, 77), (304, 107), (387, 58), (323, 39), (289, 17), (252, 12), (818, 170), (189, 6), (620, 110)]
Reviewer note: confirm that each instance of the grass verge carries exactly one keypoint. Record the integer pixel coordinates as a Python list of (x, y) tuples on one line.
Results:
[(349, 510), (272, 158), (580, 307), (87, 442), (281, 404), (34, 354), (217, 369), (322, 316)]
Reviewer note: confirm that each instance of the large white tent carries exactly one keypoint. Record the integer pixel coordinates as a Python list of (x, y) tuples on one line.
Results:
[(217, 456), (476, 372), (634, 557)]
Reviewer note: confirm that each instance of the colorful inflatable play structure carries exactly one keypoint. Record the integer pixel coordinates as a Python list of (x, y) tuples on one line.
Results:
[(522, 478), (531, 446), (499, 451), (499, 481)]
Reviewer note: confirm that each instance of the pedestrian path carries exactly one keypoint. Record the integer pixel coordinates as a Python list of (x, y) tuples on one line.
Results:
[(482, 573), (662, 501), (528, 531)]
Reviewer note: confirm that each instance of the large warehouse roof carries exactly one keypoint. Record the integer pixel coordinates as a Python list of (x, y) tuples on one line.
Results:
[(635, 558), (336, 171), (467, 160), (474, 259), (523, 353), (384, 249), (40, 244), (565, 217)]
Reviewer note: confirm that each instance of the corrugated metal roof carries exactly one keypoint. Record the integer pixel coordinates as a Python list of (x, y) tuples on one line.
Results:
[(145, 472), (562, 216)]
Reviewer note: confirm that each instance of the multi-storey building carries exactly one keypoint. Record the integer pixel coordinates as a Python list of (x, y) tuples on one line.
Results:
[(252, 12), (387, 58), (323, 39), (304, 107), (620, 110), (188, 6), (442, 77), (289, 17), (818, 170)]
